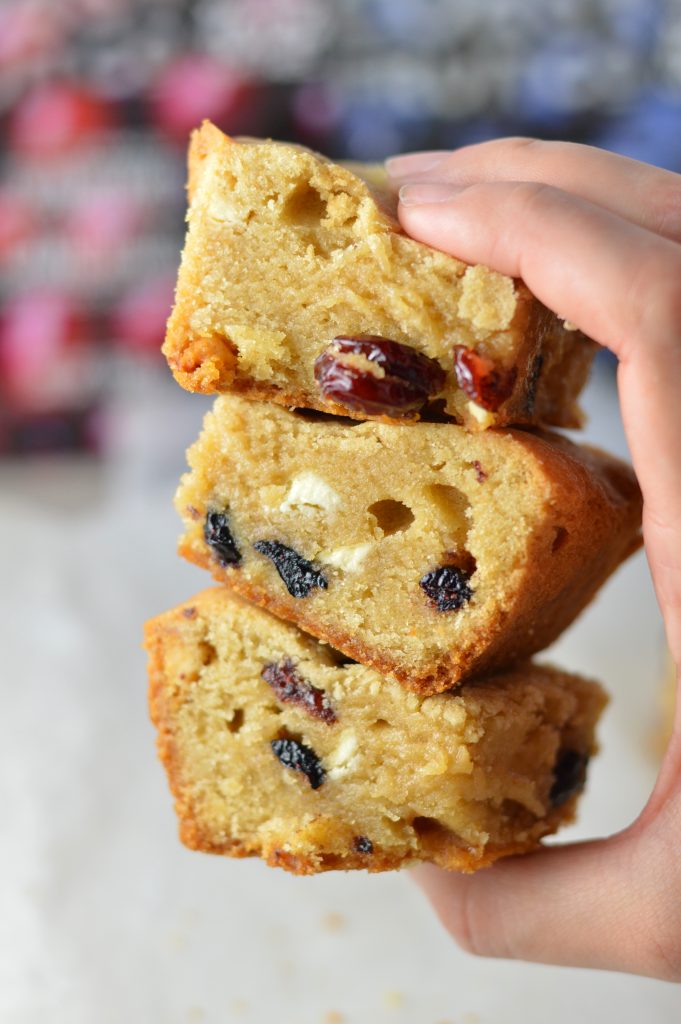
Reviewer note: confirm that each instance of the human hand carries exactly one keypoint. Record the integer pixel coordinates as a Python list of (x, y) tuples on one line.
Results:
[(597, 238)]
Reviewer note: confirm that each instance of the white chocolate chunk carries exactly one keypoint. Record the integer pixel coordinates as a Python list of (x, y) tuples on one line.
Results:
[(309, 491), (348, 558), (484, 418), (343, 760)]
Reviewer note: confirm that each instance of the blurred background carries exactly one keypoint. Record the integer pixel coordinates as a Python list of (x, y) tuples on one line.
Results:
[(103, 915), (97, 98)]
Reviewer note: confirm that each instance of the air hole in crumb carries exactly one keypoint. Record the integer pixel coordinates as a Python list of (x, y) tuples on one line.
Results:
[(207, 653), (237, 721), (304, 206), (451, 507), (560, 538), (380, 723), (343, 660), (426, 826), (451, 503), (392, 516), (436, 412), (461, 559), (317, 416)]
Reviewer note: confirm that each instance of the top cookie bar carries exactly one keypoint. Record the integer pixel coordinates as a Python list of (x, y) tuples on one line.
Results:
[(297, 285)]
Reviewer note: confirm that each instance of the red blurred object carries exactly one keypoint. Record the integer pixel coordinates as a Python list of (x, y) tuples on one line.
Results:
[(317, 109), (197, 86), (45, 362), (104, 222), (17, 222), (139, 321), (55, 117)]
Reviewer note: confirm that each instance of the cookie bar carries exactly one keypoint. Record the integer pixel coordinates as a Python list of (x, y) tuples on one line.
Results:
[(430, 554), (276, 747), (297, 285)]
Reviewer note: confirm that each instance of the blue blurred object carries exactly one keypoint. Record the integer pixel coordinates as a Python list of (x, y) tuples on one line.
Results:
[(468, 133), (636, 23), (372, 129), (650, 130), (428, 26), (572, 74)]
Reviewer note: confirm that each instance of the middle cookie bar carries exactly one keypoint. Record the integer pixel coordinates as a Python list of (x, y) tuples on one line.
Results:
[(430, 554)]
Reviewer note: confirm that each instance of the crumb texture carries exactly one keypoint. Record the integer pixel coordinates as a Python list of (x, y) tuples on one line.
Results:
[(389, 778)]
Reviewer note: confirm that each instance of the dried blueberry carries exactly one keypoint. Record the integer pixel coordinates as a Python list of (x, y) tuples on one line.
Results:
[(299, 575), (300, 758), (218, 537), (363, 845), (481, 380), (447, 587), (291, 688), (569, 776), (404, 380)]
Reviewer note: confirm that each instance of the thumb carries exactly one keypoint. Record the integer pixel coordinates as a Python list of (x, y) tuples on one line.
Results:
[(610, 904)]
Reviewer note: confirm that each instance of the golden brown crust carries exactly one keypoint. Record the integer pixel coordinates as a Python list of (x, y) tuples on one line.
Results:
[(550, 362), (169, 633), (447, 854)]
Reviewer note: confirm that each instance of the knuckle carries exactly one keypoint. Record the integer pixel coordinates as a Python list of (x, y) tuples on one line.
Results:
[(667, 298), (662, 951), (533, 196), (471, 925), (521, 143), (656, 297), (534, 152), (659, 925), (666, 203), (457, 921)]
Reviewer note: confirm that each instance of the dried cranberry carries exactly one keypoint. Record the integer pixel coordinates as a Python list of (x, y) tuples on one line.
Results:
[(409, 378), (218, 537), (299, 575), (569, 776), (447, 587), (480, 474), (363, 845), (291, 688), (300, 758), (481, 380)]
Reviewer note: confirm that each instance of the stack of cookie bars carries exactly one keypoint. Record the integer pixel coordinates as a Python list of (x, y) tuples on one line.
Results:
[(358, 690)]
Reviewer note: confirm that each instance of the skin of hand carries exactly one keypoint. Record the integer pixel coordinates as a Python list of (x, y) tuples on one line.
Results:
[(597, 238)]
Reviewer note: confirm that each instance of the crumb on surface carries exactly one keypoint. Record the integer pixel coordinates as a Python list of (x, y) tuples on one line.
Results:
[(333, 921)]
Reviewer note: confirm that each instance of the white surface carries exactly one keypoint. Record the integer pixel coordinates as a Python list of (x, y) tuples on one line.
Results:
[(105, 918)]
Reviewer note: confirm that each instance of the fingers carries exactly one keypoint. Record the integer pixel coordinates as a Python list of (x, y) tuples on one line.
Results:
[(602, 905), (621, 284), (645, 195), (573, 255)]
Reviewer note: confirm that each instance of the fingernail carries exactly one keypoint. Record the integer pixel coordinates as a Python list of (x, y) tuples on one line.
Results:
[(408, 164), (422, 193)]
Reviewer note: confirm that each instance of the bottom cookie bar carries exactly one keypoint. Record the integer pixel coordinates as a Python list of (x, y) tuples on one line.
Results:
[(277, 746)]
